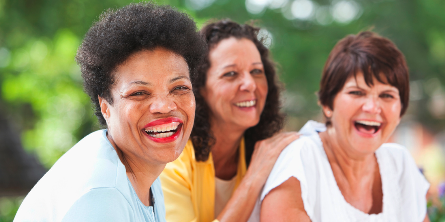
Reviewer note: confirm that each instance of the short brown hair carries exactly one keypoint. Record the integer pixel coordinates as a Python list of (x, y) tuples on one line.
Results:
[(371, 54)]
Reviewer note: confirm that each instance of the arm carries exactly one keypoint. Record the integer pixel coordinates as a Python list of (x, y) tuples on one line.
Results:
[(284, 203), (266, 152)]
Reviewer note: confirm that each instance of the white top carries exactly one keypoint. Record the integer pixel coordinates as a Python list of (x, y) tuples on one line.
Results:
[(223, 192), (404, 187), (89, 183)]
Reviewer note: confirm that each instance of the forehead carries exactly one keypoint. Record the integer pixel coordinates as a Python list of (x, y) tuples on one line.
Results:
[(234, 50), (152, 65)]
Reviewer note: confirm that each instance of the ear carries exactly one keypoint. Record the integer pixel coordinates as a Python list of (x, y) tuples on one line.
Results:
[(104, 108), (327, 111)]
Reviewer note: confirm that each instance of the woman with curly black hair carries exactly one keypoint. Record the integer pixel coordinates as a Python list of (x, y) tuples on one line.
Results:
[(236, 124), (138, 64)]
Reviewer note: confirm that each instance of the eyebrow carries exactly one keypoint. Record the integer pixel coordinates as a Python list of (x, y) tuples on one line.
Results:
[(178, 78), (392, 90), (232, 65), (140, 82)]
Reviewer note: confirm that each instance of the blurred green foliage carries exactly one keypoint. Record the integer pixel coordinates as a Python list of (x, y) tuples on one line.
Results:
[(436, 211), (41, 87), (9, 207)]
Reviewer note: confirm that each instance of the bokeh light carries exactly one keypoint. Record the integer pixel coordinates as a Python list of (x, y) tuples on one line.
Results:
[(302, 9), (345, 11)]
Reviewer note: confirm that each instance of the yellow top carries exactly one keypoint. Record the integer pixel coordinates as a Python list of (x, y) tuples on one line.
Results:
[(189, 186)]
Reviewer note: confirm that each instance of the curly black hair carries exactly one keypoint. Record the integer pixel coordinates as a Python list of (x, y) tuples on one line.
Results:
[(271, 119), (120, 33)]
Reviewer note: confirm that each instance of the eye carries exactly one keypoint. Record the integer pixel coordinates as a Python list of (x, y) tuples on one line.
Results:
[(386, 96), (181, 88), (356, 93), (138, 93), (256, 71), (229, 74)]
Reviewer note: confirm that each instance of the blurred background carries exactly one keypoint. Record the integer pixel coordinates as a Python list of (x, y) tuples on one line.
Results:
[(44, 111)]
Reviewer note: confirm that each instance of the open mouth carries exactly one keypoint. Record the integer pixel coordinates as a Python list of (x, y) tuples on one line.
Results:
[(368, 127), (164, 130), (246, 104)]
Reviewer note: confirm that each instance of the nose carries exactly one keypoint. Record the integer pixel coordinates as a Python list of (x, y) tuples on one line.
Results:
[(247, 82), (162, 104), (372, 105)]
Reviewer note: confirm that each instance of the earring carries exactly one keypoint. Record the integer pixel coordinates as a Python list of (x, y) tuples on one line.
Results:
[(328, 113)]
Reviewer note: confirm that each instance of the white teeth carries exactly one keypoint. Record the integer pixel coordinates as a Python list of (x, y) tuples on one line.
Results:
[(369, 123), (163, 128), (246, 103), (162, 135)]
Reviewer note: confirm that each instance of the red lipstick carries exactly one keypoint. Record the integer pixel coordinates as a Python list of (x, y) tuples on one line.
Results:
[(163, 121), (168, 139)]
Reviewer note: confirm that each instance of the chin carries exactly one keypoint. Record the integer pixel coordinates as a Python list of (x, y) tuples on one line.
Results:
[(369, 148), (173, 154), (249, 123)]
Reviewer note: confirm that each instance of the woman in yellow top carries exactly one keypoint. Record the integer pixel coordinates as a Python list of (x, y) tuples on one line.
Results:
[(234, 143)]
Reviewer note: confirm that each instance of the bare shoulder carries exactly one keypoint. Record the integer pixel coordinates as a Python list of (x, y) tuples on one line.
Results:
[(284, 203)]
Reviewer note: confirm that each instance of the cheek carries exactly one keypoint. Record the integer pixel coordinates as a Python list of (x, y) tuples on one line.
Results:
[(344, 107), (219, 94), (263, 87), (396, 108), (393, 112), (124, 116), (187, 104), (133, 110)]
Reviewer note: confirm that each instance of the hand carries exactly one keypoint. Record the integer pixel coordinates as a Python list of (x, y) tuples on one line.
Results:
[(243, 200), (266, 153)]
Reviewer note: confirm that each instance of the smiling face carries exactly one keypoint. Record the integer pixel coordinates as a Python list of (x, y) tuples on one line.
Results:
[(363, 116), (153, 107), (236, 86)]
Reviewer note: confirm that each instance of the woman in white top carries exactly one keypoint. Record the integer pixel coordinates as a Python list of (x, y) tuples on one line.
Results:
[(343, 170)]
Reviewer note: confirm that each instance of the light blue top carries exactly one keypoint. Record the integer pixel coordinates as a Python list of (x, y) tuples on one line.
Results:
[(89, 183)]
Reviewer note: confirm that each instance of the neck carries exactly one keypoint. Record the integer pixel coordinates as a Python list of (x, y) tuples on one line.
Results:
[(352, 163), (357, 175), (225, 150), (140, 173)]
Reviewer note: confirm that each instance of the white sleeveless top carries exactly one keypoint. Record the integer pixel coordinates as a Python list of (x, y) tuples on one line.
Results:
[(404, 187)]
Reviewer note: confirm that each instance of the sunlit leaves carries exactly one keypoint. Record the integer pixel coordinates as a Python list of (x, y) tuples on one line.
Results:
[(49, 80)]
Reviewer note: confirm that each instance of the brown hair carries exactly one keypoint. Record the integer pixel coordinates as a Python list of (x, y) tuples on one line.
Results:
[(371, 54), (271, 119)]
